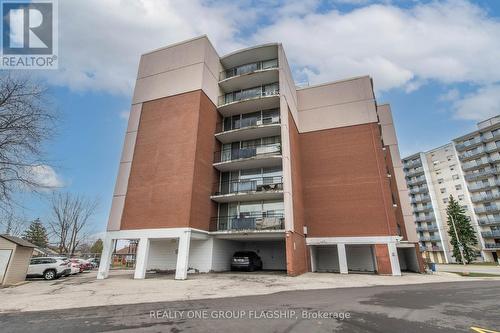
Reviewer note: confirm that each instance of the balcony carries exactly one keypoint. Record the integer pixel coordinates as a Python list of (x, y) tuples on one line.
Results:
[(481, 174), (249, 75), (263, 188), (412, 164), (487, 209), (489, 221), (472, 154), (423, 209), (468, 144), (475, 165), (430, 218), (432, 227), (483, 186), (251, 222), (419, 190), (495, 246), (490, 136), (415, 172), (431, 248), (429, 239), (256, 98), (249, 126), (417, 181), (491, 234), (485, 197), (249, 157)]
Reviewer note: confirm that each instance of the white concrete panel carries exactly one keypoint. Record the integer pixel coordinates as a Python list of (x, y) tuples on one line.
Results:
[(162, 254), (173, 82), (134, 118), (200, 255), (389, 134), (223, 251), (173, 56), (128, 147), (142, 256), (212, 60), (115, 215), (122, 179), (396, 157), (360, 258), (327, 259), (334, 116), (210, 85)]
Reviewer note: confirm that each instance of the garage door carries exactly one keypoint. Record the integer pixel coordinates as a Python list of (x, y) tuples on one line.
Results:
[(4, 262)]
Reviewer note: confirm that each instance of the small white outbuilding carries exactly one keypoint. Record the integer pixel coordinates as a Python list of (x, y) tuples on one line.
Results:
[(15, 255)]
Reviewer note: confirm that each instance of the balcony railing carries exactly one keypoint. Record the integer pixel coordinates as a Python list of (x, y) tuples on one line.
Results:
[(227, 155), (428, 228), (254, 221), (249, 68), (429, 238), (257, 185), (413, 163), (473, 164), (492, 246), (485, 173), (247, 94), (416, 181), (431, 248), (470, 154), (485, 197), (417, 190), (491, 234), (478, 187), (266, 117), (492, 149), (423, 208), (490, 137), (466, 144), (415, 172), (487, 209), (489, 221), (425, 218)]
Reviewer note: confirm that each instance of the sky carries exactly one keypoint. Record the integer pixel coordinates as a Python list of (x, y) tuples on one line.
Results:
[(436, 62)]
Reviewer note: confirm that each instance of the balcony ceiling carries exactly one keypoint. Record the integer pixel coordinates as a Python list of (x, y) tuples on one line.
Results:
[(249, 163), (251, 196), (249, 133), (260, 235), (252, 54), (250, 105), (249, 80)]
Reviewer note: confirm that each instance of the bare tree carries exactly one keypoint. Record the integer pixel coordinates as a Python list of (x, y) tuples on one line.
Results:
[(70, 217), (26, 122), (12, 224)]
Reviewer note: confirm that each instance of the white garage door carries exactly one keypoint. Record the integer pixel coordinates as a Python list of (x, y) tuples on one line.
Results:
[(4, 261)]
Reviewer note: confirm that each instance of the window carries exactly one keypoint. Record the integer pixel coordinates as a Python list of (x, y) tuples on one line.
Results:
[(438, 172), (464, 207), (455, 177), (449, 157), (445, 200), (452, 167), (461, 197), (442, 190), (440, 180), (435, 162), (458, 187)]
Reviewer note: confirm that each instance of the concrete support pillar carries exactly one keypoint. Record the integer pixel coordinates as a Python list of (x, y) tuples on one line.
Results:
[(183, 256), (342, 258), (141, 260), (105, 261), (312, 251), (393, 257)]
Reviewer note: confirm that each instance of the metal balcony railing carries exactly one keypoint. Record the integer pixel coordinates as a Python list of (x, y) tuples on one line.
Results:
[(491, 234), (482, 186), (466, 144), (490, 137), (242, 95), (428, 228), (487, 209), (473, 164), (492, 149), (412, 163), (489, 221), (471, 154), (418, 180), (261, 118), (425, 218), (423, 209), (492, 245), (417, 190), (257, 185), (429, 238), (227, 155), (485, 173), (248, 68), (485, 197), (251, 221), (415, 172), (431, 248)]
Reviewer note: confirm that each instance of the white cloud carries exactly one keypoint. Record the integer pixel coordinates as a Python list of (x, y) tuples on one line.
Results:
[(446, 41), (450, 96), (45, 176), (124, 115), (480, 105)]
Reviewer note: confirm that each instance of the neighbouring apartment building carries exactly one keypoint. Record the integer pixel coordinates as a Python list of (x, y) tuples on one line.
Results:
[(466, 168), (224, 154)]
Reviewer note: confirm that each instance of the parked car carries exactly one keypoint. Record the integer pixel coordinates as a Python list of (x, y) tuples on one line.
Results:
[(246, 260), (75, 267), (83, 264), (49, 268), (94, 262)]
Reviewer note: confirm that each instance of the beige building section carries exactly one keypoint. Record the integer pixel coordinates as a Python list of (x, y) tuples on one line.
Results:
[(17, 266)]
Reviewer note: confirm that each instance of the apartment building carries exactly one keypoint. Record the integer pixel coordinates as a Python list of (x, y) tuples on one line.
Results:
[(225, 153), (467, 169), (432, 177), (479, 155)]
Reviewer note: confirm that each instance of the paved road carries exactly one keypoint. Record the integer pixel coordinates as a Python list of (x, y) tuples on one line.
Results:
[(469, 268), (440, 307)]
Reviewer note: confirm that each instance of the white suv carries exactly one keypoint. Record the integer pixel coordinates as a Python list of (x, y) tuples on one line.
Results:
[(48, 268)]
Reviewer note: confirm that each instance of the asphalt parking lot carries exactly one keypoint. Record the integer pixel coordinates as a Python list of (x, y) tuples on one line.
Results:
[(437, 307)]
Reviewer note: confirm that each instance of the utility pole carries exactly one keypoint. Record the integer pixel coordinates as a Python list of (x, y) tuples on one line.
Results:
[(460, 247)]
